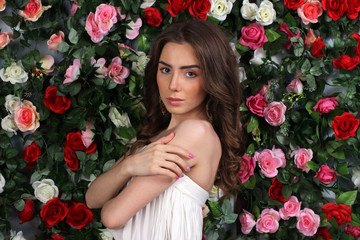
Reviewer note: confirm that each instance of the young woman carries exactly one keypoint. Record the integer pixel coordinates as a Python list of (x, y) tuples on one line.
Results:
[(191, 138)]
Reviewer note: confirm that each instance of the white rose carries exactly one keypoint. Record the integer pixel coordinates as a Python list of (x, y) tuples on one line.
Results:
[(266, 14), (119, 120), (2, 183), (140, 64), (236, 53), (248, 10), (215, 194), (11, 103), (356, 176), (8, 124), (220, 9), (45, 190), (16, 236), (242, 74), (147, 3), (15, 73), (106, 234), (258, 55)]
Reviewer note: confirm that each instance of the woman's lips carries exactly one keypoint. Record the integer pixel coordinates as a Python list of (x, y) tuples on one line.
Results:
[(174, 101)]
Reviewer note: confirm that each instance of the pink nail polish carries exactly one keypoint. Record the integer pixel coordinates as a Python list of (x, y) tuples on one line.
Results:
[(188, 169), (182, 175), (191, 156), (177, 177)]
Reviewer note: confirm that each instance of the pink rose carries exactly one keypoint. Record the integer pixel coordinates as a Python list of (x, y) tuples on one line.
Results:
[(92, 29), (264, 91), (291, 208), (100, 65), (105, 17), (268, 221), (120, 16), (247, 222), (268, 162), (74, 7), (33, 10), (26, 118), (308, 222), (279, 154), (134, 31), (2, 5), (47, 64), (274, 113), (256, 104), (247, 166), (117, 72), (72, 72), (310, 38), (352, 230), (5, 38), (302, 156), (295, 86), (253, 36), (326, 174), (325, 105), (88, 135), (284, 27), (55, 40), (310, 11)]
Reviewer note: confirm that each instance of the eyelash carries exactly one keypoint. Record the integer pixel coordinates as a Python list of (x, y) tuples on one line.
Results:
[(167, 70)]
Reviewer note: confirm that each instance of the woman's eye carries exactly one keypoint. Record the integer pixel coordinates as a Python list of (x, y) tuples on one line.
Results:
[(164, 70), (191, 74)]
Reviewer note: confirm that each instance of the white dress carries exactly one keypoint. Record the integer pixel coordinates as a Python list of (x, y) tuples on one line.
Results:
[(176, 214)]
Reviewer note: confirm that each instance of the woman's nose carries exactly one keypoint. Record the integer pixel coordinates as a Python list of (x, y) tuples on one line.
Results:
[(174, 82)]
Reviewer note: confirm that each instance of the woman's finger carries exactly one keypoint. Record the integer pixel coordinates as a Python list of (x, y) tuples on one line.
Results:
[(178, 161), (172, 167)]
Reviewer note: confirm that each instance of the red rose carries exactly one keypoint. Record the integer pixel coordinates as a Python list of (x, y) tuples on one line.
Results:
[(346, 62), (176, 6), (27, 213), (79, 215), (353, 9), (284, 27), (71, 158), (200, 8), (153, 16), (53, 212), (30, 154), (323, 232), (345, 126), (335, 8), (275, 191), (55, 103), (91, 149), (56, 237), (357, 37), (353, 231), (317, 48), (74, 141), (293, 4), (340, 212), (256, 104)]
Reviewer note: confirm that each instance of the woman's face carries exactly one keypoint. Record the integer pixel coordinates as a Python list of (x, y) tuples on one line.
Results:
[(180, 81)]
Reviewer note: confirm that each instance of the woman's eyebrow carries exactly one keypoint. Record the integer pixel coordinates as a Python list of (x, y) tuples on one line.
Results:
[(182, 67)]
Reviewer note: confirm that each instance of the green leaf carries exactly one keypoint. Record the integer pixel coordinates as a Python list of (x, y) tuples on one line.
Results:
[(19, 204), (241, 48), (213, 235), (73, 36), (63, 47), (342, 169), (311, 81), (81, 155), (226, 207), (108, 165), (252, 124), (309, 106), (215, 208), (74, 88), (347, 198), (305, 66), (30, 59), (143, 43), (230, 218), (286, 191), (290, 20), (271, 35), (355, 220), (313, 166), (107, 134), (250, 149), (11, 152), (316, 71), (35, 177), (298, 50), (251, 183)]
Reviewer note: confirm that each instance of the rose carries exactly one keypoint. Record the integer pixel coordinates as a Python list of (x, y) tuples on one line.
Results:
[(30, 154), (153, 16), (2, 183), (310, 11), (247, 222), (119, 120), (74, 141), (293, 4), (53, 212), (264, 90), (242, 74), (26, 118), (352, 230), (33, 10), (268, 162), (45, 190), (257, 59), (205, 210), (253, 36), (176, 6), (27, 213), (326, 174), (117, 72), (317, 48), (323, 232), (353, 9), (268, 221), (93, 29), (266, 14), (105, 234), (302, 156), (357, 48), (105, 17), (88, 135), (134, 31), (79, 216), (147, 3), (47, 64), (5, 39), (277, 152), (55, 103), (140, 64), (15, 73), (295, 86), (275, 191), (346, 62), (57, 237), (2, 5), (215, 194), (8, 124), (16, 236), (72, 72), (274, 113), (12, 102), (199, 9), (356, 176), (70, 158), (120, 16), (73, 9), (220, 9), (308, 222), (345, 126), (310, 38), (256, 104), (335, 8), (341, 212), (55, 39), (91, 149), (284, 27), (291, 208), (99, 64), (326, 104), (248, 10), (247, 166)]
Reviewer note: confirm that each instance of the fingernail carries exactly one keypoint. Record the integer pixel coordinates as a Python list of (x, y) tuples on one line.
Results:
[(188, 168), (182, 175), (191, 156), (177, 177)]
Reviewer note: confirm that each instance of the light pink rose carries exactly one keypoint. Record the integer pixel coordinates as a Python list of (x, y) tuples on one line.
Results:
[(73, 9), (247, 221), (92, 29), (291, 208), (326, 104), (326, 174), (302, 156), (253, 36), (120, 16), (247, 166), (100, 65), (117, 72), (5, 38), (47, 64), (88, 135), (26, 118), (274, 113), (268, 221), (33, 10), (353, 231), (55, 39), (295, 86), (308, 222), (310, 11), (310, 38), (134, 31), (268, 162), (2, 5), (264, 91), (284, 27), (279, 154), (72, 72), (105, 17), (256, 104)]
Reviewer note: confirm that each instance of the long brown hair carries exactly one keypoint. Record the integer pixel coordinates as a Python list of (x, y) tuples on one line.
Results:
[(222, 86)]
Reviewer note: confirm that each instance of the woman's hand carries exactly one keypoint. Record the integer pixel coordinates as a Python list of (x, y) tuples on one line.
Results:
[(159, 158)]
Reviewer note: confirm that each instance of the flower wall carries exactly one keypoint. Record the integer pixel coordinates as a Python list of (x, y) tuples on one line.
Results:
[(68, 110)]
